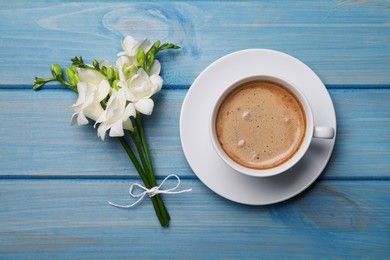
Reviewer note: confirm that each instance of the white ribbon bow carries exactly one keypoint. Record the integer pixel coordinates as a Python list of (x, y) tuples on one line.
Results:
[(151, 192)]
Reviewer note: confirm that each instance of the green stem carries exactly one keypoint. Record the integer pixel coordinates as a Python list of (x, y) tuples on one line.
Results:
[(64, 82), (151, 175), (136, 139), (39, 82), (145, 147), (164, 211), (135, 162), (157, 202), (43, 80)]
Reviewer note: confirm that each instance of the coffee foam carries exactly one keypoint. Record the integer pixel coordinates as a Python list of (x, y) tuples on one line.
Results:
[(260, 124)]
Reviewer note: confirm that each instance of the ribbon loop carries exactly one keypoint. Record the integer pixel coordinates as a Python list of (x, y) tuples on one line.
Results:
[(151, 192)]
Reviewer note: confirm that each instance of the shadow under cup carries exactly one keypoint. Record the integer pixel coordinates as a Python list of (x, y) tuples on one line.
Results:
[(323, 132)]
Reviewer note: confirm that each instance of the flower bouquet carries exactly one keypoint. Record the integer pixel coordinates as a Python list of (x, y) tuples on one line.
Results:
[(115, 97)]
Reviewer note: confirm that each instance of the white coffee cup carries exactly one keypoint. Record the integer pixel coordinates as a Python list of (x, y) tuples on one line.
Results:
[(311, 130)]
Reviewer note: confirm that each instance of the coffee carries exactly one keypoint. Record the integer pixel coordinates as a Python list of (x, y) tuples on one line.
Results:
[(260, 124)]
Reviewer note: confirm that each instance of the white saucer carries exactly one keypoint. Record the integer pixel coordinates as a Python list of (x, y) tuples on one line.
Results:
[(203, 159)]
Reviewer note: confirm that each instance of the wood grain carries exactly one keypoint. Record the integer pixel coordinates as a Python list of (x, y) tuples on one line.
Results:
[(343, 219), (55, 179), (345, 42), (42, 142)]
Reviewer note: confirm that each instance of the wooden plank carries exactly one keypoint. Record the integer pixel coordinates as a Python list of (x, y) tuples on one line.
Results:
[(42, 142), (345, 42), (46, 219)]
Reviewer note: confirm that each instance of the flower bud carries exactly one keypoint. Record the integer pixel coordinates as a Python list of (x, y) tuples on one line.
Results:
[(110, 73), (56, 70), (116, 74), (129, 70), (38, 85), (95, 64), (115, 84), (38, 80), (104, 70), (140, 57), (71, 76), (77, 77)]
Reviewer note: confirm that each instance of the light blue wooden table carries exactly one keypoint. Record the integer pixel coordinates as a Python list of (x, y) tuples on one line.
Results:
[(55, 179)]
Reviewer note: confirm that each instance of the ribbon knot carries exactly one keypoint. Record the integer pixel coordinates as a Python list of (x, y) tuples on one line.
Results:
[(151, 192)]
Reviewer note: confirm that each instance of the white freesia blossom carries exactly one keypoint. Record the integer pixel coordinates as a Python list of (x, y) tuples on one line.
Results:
[(155, 69), (131, 46), (105, 63), (92, 89), (116, 116), (127, 66), (139, 88), (131, 92), (90, 76)]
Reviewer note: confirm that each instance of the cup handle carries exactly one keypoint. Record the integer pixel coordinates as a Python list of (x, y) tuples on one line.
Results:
[(323, 132)]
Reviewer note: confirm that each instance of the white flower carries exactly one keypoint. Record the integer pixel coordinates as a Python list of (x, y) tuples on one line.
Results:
[(90, 76), (127, 67), (105, 63), (92, 89), (116, 116), (155, 69), (139, 85), (131, 46), (139, 88)]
